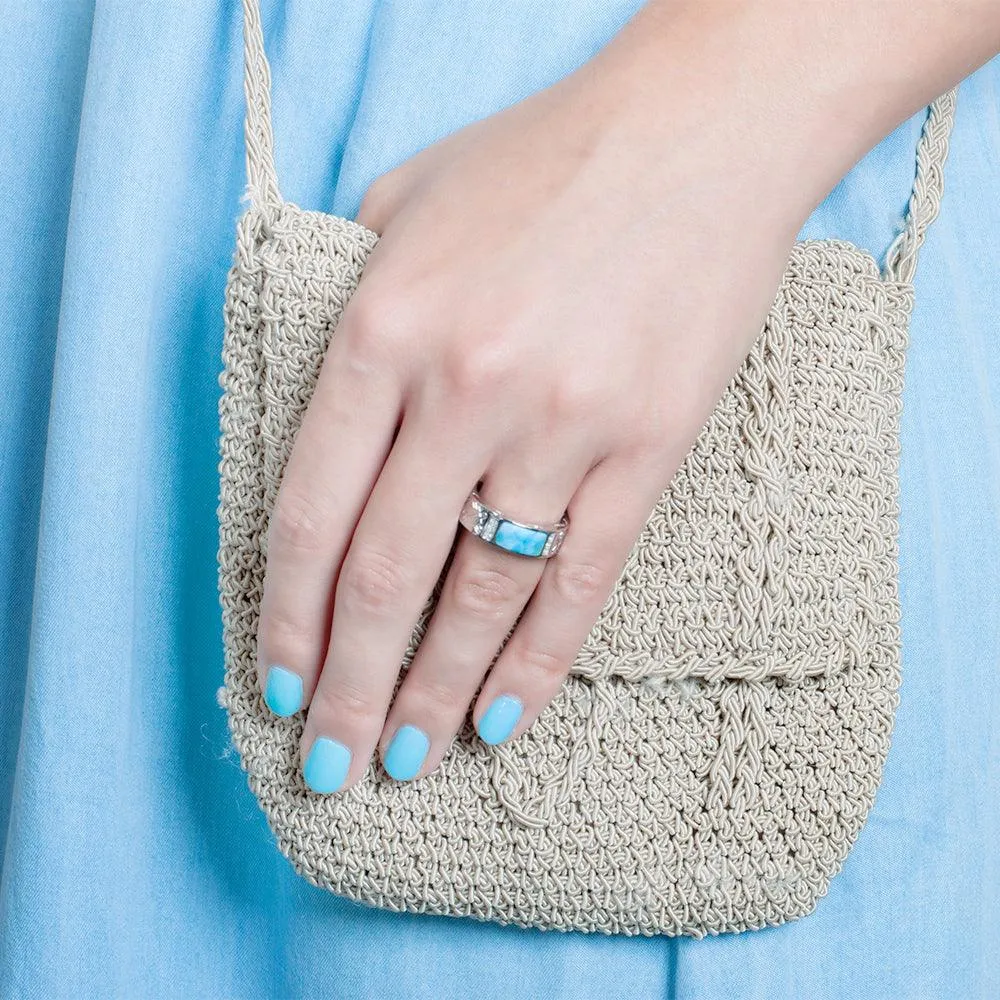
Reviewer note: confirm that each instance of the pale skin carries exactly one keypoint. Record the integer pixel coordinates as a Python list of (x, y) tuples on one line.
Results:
[(560, 295)]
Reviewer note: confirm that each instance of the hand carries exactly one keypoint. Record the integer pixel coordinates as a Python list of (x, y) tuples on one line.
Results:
[(559, 297)]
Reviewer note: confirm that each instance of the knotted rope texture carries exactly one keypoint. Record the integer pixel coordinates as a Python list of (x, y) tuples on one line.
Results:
[(719, 742)]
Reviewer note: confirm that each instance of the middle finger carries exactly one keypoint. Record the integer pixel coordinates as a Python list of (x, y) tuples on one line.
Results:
[(395, 557)]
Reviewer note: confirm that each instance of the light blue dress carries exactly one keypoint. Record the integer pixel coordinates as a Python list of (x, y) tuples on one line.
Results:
[(135, 860)]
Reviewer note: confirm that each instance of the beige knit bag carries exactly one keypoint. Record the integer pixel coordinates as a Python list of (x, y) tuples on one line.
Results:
[(718, 744)]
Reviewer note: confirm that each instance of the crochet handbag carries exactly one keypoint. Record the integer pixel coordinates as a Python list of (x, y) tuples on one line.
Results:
[(717, 746)]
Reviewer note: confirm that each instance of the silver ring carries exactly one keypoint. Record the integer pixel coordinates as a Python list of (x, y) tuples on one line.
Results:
[(520, 537)]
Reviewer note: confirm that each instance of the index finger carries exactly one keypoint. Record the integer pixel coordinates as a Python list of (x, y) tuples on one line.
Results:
[(343, 439)]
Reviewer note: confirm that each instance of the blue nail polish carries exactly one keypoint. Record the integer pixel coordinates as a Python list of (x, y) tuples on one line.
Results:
[(327, 765), (500, 719), (283, 693), (406, 753)]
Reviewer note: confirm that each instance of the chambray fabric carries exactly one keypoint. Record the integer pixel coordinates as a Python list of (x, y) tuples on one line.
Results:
[(135, 861)]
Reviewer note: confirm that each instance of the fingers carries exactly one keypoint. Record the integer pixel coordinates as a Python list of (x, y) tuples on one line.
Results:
[(364, 521), (485, 590), (395, 557), (606, 515), (341, 444)]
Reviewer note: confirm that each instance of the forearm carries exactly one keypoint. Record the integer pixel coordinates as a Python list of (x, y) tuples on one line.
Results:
[(800, 90)]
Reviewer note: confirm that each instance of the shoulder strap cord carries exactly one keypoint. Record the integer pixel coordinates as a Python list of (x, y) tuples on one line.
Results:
[(928, 187), (262, 180), (901, 257)]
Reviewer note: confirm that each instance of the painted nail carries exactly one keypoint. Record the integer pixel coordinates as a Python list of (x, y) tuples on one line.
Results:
[(283, 693), (406, 753), (500, 719), (327, 765)]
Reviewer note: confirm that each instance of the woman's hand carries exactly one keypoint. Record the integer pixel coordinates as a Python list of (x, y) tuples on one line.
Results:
[(561, 293)]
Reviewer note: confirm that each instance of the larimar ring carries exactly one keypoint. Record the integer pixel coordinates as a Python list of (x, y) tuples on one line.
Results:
[(493, 526)]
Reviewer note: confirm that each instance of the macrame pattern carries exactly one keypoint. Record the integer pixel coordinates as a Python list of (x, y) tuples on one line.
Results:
[(719, 742)]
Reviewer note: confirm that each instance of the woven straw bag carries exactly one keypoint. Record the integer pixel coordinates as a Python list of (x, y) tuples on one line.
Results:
[(717, 746)]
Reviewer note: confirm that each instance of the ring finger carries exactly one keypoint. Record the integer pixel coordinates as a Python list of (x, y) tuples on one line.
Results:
[(484, 592)]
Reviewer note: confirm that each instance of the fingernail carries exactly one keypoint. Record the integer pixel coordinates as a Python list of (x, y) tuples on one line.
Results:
[(406, 753), (327, 765), (500, 719), (283, 692)]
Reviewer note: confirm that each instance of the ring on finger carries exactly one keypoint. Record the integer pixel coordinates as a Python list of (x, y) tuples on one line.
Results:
[(538, 540)]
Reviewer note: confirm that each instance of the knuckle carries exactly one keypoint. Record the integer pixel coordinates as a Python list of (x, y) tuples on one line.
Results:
[(349, 702), (644, 447), (659, 448), (366, 333), (381, 318), (283, 633), (297, 522), (434, 698), (546, 667), (485, 591), (656, 426), (575, 397), (578, 583), (655, 423), (646, 434), (472, 370), (372, 582)]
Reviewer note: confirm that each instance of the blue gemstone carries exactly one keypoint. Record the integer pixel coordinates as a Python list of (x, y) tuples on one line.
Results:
[(514, 538)]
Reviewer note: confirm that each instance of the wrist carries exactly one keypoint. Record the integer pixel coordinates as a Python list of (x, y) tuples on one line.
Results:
[(692, 88), (784, 96)]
